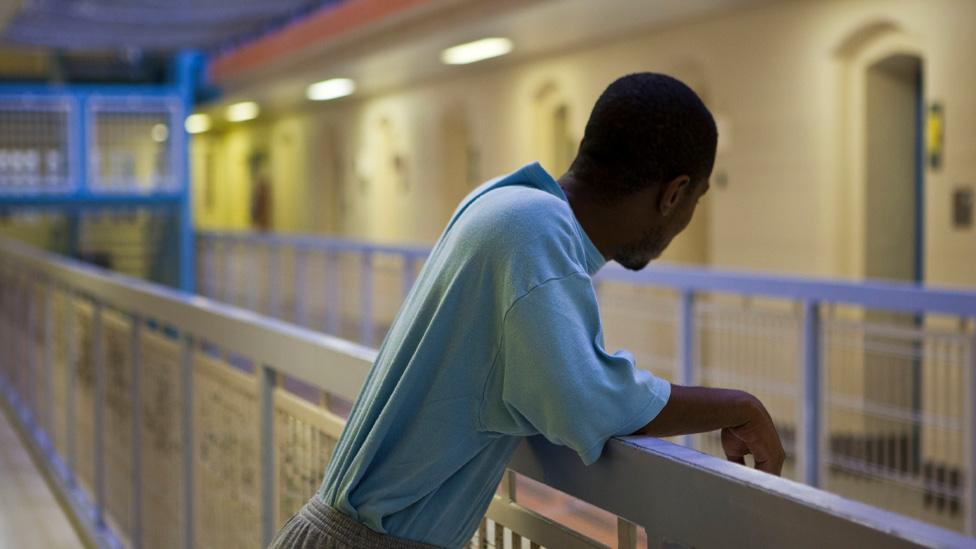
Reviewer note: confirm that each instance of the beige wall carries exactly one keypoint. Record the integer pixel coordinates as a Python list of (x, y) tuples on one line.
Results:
[(784, 80)]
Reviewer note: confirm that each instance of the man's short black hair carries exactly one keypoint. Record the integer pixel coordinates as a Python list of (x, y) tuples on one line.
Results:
[(646, 128)]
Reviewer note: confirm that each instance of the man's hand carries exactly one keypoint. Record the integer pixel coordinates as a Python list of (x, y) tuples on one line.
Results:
[(757, 437), (746, 426)]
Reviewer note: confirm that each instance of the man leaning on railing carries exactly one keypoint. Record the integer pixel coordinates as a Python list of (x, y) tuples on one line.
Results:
[(500, 338)]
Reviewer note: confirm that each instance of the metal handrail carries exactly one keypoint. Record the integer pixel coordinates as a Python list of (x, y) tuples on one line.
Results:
[(680, 495), (876, 294)]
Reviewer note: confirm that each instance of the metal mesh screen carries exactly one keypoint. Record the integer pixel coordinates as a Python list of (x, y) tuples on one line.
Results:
[(895, 412), (227, 504), (134, 144), (161, 441), (34, 153)]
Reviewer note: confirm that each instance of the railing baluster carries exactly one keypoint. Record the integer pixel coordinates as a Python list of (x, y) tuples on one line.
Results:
[(332, 305), (209, 286), (970, 424), (229, 290), (252, 268), (186, 386), (298, 295), (686, 347), (266, 381), (30, 356), (49, 356), (366, 299), (810, 410), (135, 358), (98, 358), (274, 279), (71, 369)]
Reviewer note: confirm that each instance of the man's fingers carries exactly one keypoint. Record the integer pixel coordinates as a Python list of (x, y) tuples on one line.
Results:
[(734, 447), (766, 449)]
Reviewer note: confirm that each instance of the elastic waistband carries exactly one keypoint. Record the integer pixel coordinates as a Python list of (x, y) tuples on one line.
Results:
[(344, 529)]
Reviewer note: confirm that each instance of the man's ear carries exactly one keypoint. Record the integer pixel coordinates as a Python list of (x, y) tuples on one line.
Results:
[(674, 191)]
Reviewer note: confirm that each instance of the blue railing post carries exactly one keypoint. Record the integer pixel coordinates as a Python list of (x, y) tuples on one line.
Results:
[(266, 381), (135, 358), (686, 347), (186, 386), (187, 63), (810, 420), (366, 299)]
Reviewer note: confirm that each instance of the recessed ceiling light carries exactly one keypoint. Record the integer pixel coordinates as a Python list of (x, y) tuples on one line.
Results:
[(479, 50), (197, 123), (243, 111), (333, 88), (160, 133)]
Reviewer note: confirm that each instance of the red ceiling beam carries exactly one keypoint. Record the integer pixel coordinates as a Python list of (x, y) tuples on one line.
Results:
[(313, 31)]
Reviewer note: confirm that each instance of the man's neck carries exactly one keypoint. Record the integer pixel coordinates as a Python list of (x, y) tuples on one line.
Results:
[(595, 217)]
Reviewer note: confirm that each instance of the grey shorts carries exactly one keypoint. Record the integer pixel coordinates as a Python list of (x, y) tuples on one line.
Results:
[(318, 526)]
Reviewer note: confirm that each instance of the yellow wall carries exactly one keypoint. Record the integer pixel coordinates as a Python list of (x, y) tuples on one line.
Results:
[(783, 80)]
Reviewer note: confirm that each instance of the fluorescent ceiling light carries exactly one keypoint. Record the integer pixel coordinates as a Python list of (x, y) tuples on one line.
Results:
[(240, 112), (333, 88), (479, 50), (197, 123)]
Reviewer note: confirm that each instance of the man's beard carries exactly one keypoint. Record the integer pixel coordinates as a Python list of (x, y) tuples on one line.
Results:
[(636, 255)]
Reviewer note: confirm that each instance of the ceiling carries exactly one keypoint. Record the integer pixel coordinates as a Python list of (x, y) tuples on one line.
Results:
[(393, 55), (151, 25)]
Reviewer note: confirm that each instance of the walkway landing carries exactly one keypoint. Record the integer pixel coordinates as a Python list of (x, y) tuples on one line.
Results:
[(30, 516)]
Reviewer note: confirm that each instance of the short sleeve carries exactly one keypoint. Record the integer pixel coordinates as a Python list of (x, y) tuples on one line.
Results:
[(555, 378)]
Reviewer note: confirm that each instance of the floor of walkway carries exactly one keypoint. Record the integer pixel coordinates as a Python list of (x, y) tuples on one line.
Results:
[(30, 516)]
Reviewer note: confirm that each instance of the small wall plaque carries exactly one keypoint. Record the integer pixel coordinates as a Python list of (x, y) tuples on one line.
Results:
[(962, 207)]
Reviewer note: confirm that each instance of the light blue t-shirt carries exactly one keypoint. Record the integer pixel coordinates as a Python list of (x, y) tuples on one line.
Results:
[(500, 338)]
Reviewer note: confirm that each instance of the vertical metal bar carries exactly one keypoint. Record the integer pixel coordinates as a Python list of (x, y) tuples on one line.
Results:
[(135, 362), (209, 266), (810, 421), (686, 347), (267, 380), (274, 279), (98, 358), (186, 385), (332, 305), (230, 293), (30, 354), (71, 371), (301, 312), (366, 299), (186, 63), (251, 282), (49, 356), (970, 403)]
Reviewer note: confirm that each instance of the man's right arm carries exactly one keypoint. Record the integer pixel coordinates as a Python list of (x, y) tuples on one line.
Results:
[(746, 426)]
